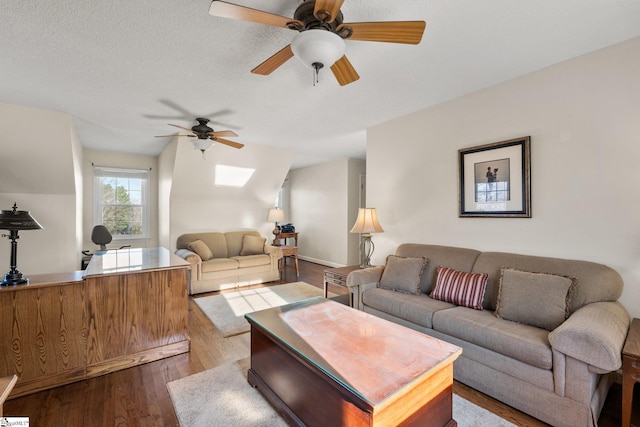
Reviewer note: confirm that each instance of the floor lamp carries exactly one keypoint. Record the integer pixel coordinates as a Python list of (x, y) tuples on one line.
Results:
[(15, 220), (366, 223)]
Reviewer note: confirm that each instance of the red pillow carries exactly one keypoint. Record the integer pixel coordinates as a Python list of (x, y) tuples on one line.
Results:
[(460, 288)]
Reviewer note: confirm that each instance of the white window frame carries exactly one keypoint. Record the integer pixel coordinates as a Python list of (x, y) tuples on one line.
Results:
[(100, 173)]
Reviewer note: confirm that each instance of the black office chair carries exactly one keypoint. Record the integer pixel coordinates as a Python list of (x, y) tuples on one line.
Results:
[(101, 236)]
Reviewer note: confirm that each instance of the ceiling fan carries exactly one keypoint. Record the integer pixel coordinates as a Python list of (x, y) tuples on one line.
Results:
[(320, 42), (205, 136)]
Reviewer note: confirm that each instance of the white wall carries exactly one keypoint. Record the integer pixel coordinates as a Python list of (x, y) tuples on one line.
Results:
[(583, 117), (125, 161), (324, 204), (40, 174), (197, 204)]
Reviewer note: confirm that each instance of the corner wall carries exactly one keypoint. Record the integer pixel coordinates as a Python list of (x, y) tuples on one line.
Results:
[(583, 117)]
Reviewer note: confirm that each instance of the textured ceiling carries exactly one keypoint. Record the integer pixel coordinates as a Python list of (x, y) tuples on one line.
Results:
[(124, 69)]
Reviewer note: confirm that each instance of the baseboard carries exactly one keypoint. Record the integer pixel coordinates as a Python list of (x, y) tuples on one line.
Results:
[(320, 261)]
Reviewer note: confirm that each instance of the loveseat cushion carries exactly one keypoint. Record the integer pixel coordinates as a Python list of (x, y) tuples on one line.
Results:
[(252, 245), (252, 260), (525, 343), (199, 247), (417, 309), (403, 274), (219, 264), (536, 299)]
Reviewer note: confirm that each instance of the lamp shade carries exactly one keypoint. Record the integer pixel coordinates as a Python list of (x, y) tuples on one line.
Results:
[(275, 215), (17, 220), (367, 222), (202, 144), (318, 47)]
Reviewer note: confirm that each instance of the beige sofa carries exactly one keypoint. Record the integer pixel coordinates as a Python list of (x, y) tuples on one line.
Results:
[(231, 259), (560, 376)]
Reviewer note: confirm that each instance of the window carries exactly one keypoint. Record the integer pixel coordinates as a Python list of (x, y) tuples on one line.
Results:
[(122, 201)]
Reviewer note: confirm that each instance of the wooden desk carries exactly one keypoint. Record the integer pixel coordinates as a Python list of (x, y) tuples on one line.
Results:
[(130, 307), (630, 370)]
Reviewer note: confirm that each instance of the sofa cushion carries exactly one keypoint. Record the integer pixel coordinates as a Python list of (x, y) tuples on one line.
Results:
[(245, 261), (219, 264), (536, 299), (525, 343), (199, 247), (403, 274), (460, 288), (252, 245), (416, 309)]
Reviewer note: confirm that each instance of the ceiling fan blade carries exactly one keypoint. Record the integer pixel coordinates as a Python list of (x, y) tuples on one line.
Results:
[(223, 133), (344, 71), (169, 136), (229, 143), (183, 128), (271, 64), (233, 11), (409, 32), (327, 10)]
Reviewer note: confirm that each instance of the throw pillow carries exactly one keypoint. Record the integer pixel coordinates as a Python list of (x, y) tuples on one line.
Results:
[(199, 247), (252, 245), (537, 299), (403, 274), (460, 288)]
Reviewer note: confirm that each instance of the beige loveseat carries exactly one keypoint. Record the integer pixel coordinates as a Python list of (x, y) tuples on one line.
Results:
[(228, 260), (560, 376)]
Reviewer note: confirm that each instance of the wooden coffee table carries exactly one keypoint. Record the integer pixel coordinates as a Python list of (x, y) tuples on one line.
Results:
[(321, 363)]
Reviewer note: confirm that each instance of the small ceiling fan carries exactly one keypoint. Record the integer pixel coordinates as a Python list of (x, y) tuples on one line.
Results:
[(205, 136), (320, 42)]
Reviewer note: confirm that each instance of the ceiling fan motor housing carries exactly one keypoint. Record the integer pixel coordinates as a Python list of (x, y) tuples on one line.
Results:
[(304, 14)]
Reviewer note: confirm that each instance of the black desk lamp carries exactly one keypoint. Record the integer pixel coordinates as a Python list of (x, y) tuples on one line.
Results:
[(13, 221)]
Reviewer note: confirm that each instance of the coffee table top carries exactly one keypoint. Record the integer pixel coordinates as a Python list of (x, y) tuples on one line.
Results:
[(372, 357)]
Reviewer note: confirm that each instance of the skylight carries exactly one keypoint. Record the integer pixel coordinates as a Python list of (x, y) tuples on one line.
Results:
[(232, 176)]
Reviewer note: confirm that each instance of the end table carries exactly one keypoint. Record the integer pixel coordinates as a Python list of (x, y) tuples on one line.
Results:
[(338, 276), (630, 370)]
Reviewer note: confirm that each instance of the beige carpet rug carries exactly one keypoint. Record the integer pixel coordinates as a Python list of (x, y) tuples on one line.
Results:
[(227, 309), (222, 397)]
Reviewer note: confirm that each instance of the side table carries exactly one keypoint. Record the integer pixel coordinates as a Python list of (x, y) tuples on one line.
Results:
[(338, 276), (289, 251), (630, 370)]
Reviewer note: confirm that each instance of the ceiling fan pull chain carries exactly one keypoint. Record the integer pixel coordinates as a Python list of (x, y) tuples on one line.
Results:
[(316, 67)]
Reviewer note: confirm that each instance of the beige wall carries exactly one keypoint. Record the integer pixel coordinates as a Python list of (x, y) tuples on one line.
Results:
[(40, 174), (583, 117), (324, 203)]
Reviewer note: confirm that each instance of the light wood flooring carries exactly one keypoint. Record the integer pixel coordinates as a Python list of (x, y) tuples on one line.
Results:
[(138, 396)]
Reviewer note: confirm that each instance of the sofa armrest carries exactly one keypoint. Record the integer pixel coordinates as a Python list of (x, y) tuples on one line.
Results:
[(274, 251), (360, 280), (594, 334), (193, 259)]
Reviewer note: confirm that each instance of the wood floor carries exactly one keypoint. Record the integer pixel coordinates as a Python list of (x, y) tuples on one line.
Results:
[(138, 396)]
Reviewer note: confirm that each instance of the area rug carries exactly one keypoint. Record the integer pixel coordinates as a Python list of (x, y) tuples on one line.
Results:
[(227, 309), (222, 397)]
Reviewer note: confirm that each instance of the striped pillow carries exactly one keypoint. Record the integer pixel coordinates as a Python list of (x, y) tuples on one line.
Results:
[(460, 288)]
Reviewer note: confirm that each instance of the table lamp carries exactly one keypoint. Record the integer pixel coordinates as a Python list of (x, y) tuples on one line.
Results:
[(275, 215), (15, 220), (366, 223)]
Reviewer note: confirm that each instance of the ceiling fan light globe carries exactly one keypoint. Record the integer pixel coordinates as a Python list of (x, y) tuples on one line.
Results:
[(202, 144), (318, 47)]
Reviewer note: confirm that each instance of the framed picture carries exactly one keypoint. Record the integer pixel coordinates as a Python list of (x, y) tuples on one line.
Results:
[(495, 179)]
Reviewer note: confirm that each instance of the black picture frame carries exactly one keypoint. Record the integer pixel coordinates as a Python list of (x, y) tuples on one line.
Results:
[(495, 179)]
